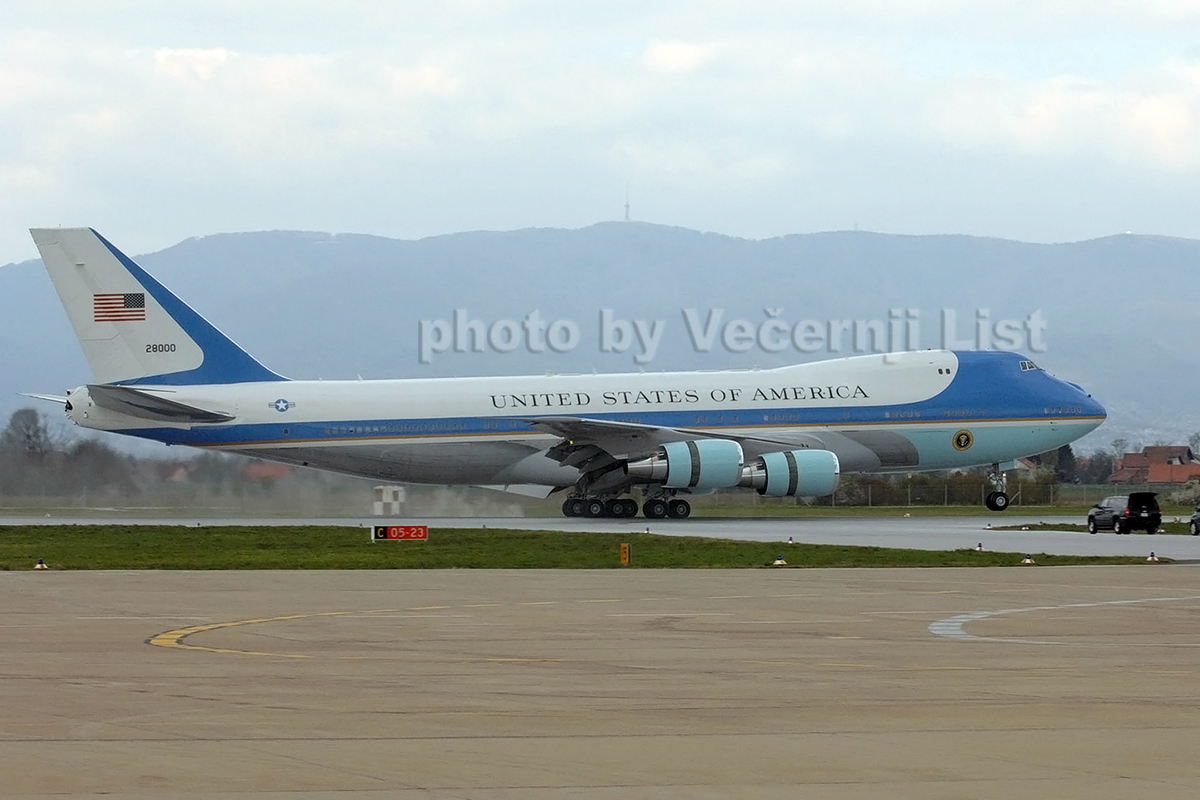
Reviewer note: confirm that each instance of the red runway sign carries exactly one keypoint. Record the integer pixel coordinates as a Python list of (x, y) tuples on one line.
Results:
[(382, 533)]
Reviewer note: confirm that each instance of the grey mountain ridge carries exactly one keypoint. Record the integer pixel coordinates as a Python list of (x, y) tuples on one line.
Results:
[(1119, 309)]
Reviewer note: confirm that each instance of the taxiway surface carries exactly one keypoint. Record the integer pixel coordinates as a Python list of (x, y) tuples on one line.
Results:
[(1070, 682)]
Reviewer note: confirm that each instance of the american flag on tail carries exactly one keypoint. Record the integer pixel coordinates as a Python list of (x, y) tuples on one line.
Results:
[(130, 307)]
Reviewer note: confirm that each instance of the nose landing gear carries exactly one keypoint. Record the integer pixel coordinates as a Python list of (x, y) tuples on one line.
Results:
[(998, 499)]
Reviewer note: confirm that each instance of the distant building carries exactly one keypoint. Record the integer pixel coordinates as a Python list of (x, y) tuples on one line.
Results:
[(1157, 464), (265, 470)]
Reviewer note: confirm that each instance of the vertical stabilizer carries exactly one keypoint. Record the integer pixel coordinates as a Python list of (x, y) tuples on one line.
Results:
[(132, 329)]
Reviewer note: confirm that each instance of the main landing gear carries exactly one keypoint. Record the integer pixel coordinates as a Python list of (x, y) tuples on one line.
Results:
[(662, 508), (626, 507)]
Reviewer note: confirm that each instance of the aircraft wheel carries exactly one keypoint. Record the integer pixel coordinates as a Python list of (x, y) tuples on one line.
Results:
[(572, 507), (594, 508), (999, 501), (620, 508), (654, 508), (679, 509)]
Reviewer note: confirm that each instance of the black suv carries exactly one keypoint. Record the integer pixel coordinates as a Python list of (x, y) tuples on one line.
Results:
[(1124, 513)]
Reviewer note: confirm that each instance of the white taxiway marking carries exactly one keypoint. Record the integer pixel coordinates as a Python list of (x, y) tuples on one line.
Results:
[(952, 628)]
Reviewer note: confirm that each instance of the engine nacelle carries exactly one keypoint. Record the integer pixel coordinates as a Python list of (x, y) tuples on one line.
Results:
[(701, 465), (807, 473)]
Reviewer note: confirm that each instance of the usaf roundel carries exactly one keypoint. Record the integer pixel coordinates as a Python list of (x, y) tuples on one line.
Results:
[(282, 405)]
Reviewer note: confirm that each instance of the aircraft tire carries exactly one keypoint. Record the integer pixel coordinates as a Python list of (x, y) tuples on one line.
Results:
[(1000, 502), (619, 508), (654, 508), (679, 509), (594, 508), (572, 507)]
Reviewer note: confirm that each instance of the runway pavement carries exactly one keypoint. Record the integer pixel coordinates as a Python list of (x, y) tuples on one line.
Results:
[(1069, 682), (920, 533)]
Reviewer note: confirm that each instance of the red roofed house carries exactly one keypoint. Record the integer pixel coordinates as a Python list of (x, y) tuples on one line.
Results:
[(1157, 464)]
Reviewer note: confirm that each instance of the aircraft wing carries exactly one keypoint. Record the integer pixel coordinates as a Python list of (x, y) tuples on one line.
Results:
[(591, 443), (138, 403), (623, 440), (619, 439)]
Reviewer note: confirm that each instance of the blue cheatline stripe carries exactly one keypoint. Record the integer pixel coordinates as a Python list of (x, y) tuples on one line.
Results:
[(224, 361), (978, 394), (368, 429)]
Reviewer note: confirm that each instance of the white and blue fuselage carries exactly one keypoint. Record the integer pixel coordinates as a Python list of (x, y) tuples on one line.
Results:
[(169, 376)]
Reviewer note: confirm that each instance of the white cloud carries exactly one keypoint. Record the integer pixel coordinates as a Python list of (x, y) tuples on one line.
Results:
[(1150, 120), (249, 121), (702, 163), (676, 57), (423, 79), (190, 63)]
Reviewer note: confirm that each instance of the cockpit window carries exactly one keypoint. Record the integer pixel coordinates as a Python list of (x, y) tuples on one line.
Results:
[(1028, 365)]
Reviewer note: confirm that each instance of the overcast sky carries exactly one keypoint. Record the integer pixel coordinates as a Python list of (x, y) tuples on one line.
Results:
[(1041, 121)]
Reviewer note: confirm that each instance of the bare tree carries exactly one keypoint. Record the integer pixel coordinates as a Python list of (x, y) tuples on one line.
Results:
[(27, 434)]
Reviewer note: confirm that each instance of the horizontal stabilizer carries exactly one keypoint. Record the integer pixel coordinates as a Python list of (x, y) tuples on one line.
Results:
[(53, 398), (137, 403)]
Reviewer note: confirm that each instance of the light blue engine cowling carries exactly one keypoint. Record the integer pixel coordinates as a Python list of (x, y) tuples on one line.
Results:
[(704, 464), (807, 473), (698, 465)]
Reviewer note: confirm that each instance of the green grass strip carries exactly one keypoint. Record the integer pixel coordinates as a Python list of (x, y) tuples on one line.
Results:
[(235, 547)]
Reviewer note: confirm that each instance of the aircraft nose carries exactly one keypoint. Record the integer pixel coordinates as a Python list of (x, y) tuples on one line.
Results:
[(1090, 405)]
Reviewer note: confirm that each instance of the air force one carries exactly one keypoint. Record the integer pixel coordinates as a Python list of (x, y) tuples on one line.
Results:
[(163, 372)]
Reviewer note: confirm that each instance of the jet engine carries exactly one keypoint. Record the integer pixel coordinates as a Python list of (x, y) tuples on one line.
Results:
[(698, 465), (807, 473)]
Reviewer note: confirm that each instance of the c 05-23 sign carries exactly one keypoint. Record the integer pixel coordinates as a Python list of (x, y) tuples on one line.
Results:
[(396, 533)]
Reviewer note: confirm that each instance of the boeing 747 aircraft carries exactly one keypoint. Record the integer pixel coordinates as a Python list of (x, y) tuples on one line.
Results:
[(162, 372)]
